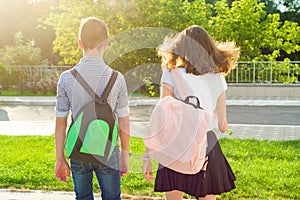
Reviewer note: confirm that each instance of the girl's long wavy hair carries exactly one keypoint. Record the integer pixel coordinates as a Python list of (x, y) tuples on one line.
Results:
[(195, 50)]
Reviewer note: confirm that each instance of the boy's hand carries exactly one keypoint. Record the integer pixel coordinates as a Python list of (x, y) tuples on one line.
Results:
[(124, 164), (62, 170)]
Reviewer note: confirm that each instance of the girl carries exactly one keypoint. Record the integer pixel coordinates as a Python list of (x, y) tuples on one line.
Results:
[(202, 64)]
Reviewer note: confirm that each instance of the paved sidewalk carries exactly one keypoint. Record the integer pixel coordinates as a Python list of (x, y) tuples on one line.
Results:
[(240, 131), (36, 195), (263, 101), (6, 194)]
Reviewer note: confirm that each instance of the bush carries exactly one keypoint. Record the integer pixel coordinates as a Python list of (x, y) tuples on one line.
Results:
[(4, 81)]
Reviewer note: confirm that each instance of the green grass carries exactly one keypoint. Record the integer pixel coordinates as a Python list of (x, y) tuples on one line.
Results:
[(15, 92), (264, 169)]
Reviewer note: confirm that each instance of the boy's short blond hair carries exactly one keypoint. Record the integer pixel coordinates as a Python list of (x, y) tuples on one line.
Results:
[(92, 32)]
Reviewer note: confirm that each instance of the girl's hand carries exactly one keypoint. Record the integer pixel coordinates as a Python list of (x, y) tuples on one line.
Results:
[(147, 169)]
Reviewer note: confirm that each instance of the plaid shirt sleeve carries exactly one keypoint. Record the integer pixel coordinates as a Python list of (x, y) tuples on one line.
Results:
[(62, 100), (122, 105)]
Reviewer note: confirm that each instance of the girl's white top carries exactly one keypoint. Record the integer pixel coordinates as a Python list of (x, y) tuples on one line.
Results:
[(207, 88)]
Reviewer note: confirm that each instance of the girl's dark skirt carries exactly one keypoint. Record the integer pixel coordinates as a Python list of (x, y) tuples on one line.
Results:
[(217, 179)]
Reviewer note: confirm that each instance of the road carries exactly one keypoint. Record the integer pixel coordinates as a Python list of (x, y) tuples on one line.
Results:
[(269, 115)]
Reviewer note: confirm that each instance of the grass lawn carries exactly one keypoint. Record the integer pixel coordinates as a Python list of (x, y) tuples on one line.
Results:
[(264, 169), (14, 92)]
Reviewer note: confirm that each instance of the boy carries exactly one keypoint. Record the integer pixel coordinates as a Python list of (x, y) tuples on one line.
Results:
[(93, 40)]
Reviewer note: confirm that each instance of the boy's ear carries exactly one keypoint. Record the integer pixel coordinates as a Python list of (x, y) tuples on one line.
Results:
[(106, 43), (80, 44)]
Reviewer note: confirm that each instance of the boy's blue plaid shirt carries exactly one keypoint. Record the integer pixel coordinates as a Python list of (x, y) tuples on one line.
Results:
[(71, 96)]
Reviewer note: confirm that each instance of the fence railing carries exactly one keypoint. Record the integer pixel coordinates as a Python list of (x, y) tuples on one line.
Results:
[(32, 78), (261, 72), (38, 72)]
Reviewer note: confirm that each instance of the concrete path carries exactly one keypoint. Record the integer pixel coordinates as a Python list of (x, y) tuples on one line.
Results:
[(36, 195), (240, 131), (56, 195)]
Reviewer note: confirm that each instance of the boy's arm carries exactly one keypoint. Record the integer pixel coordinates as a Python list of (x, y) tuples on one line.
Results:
[(62, 169), (124, 134), (122, 111)]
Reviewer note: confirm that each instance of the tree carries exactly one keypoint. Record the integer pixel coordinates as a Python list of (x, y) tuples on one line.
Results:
[(169, 14), (65, 20), (271, 7), (245, 21), (24, 15), (291, 10), (253, 29), (21, 52), (4, 80)]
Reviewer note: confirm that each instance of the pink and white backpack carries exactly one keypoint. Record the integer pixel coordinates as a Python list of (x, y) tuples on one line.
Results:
[(177, 134)]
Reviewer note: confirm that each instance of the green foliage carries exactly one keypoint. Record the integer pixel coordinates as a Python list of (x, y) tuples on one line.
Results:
[(137, 28), (66, 20), (286, 72), (291, 10), (150, 86), (25, 16), (253, 29), (65, 43), (246, 22), (3, 76), (262, 72), (172, 14), (21, 53), (169, 14), (270, 6)]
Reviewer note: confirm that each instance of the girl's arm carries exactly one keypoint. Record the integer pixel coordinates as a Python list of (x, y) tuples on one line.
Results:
[(166, 90), (221, 112)]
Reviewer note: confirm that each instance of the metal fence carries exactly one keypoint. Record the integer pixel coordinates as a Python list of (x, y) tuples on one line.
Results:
[(38, 72), (34, 78), (263, 72), (245, 72)]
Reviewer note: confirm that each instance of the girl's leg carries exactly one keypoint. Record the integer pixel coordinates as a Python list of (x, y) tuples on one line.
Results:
[(208, 197), (174, 195)]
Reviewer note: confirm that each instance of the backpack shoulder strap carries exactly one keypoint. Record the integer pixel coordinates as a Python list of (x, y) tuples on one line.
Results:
[(84, 84), (88, 88), (109, 85)]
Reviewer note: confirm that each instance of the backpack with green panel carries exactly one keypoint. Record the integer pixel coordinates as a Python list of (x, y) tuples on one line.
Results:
[(93, 132)]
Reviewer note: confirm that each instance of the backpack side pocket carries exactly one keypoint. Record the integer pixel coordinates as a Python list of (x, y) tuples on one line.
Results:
[(73, 134)]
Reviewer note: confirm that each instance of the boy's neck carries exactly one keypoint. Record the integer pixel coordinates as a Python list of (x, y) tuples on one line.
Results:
[(93, 53)]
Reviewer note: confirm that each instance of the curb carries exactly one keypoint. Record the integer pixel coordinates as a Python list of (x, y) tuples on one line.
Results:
[(28, 100), (151, 101), (14, 194)]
